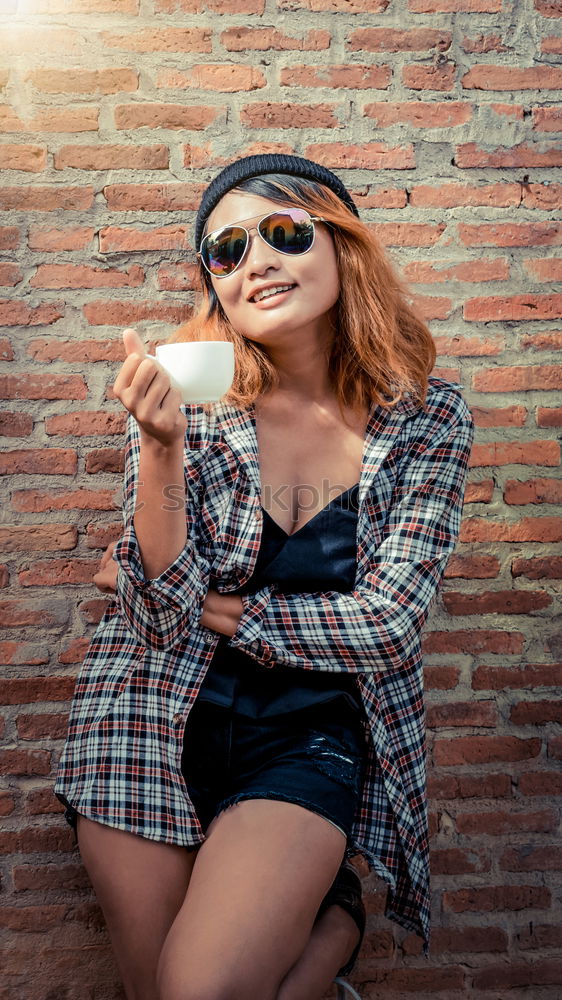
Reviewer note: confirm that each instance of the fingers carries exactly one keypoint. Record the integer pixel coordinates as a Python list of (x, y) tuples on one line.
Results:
[(133, 343)]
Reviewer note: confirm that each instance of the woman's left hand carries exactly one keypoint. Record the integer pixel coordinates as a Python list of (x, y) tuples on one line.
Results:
[(221, 612)]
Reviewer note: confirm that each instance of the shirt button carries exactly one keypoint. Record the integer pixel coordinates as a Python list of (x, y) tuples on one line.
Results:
[(177, 719), (209, 636)]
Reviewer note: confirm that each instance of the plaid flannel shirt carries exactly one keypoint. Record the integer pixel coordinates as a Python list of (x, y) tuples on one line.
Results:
[(141, 675)]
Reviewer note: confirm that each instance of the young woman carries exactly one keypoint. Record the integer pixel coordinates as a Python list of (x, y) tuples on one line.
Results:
[(250, 713)]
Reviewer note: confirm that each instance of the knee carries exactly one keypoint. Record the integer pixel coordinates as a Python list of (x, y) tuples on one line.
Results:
[(183, 986)]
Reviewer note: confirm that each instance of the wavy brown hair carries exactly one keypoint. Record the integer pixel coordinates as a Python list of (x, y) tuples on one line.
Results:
[(382, 350)]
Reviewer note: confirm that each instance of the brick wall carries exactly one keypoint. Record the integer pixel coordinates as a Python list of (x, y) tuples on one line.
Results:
[(441, 117)]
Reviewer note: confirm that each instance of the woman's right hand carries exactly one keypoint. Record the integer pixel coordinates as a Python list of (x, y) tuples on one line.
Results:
[(145, 390), (106, 577)]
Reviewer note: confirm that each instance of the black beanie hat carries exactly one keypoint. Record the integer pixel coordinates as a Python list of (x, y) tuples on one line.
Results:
[(267, 163)]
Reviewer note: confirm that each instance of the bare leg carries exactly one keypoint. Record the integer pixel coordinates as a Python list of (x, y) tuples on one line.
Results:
[(140, 885), (256, 888), (331, 943)]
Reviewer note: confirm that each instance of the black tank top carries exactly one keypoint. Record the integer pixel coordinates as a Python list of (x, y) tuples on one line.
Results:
[(320, 556)]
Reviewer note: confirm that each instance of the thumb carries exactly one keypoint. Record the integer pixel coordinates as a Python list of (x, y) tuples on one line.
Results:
[(133, 343)]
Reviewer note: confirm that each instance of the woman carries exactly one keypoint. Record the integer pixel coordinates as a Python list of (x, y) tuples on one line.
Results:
[(250, 713)]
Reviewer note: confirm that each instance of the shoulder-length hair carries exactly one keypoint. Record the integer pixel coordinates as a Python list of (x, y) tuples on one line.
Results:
[(382, 350)]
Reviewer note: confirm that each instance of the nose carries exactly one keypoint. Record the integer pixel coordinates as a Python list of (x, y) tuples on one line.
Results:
[(260, 256)]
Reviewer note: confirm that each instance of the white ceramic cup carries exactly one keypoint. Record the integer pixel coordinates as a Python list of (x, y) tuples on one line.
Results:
[(202, 370)]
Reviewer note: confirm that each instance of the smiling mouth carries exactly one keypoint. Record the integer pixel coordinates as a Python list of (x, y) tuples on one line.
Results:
[(270, 293)]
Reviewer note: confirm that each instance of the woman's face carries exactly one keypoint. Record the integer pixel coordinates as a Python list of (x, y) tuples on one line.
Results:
[(313, 278)]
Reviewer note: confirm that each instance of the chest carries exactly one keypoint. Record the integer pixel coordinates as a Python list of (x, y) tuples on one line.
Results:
[(305, 461)]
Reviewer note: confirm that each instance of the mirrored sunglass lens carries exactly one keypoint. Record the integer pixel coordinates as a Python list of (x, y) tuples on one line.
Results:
[(288, 232), (223, 252)]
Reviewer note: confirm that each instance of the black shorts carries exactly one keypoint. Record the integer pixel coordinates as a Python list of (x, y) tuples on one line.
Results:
[(313, 757)]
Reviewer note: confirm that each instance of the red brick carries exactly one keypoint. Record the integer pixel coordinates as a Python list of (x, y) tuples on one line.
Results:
[(105, 460), (503, 453), (483, 43), (502, 822), (533, 491), (537, 936), (466, 786), (467, 347), (27, 690), (547, 119), (366, 156), (31, 840), (30, 158), (478, 567), (483, 750), (549, 416), (93, 611), (45, 724), (20, 653), (116, 240), (10, 275), (75, 651), (80, 276), (470, 154), (264, 114), (479, 492), (553, 43), (380, 198), (531, 676), (4, 576), (46, 199), (548, 8), (504, 416), (440, 77), (9, 237), (14, 313), (542, 196), (454, 6), (514, 307), (488, 899), (533, 713), (413, 234), (98, 536), (547, 784), (510, 234), (84, 81), (459, 195), (459, 861), (33, 918), (518, 974), (336, 6), (154, 39), (501, 602), (40, 461), (262, 39), (58, 572), (518, 378), (545, 269), (549, 567), (473, 641), (172, 116), (555, 747), (113, 313), (441, 678), (455, 713), (53, 240), (177, 277), (43, 387), (341, 76), (86, 423), (23, 39), (225, 78), (82, 119), (37, 537), (528, 529), (153, 197), (25, 762), (510, 78), (7, 806), (471, 940), (433, 114), (61, 877), (113, 157), (81, 351), (399, 40)]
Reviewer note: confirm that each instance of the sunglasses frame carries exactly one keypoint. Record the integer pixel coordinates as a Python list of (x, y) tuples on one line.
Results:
[(256, 229)]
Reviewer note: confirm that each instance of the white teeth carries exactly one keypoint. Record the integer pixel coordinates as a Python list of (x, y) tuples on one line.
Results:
[(267, 292)]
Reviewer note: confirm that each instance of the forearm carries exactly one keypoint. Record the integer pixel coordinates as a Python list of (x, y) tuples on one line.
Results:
[(160, 518)]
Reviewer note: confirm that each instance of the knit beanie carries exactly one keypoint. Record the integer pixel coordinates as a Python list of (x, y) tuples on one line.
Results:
[(267, 163)]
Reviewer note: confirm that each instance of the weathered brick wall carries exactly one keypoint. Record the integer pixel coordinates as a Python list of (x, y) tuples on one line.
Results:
[(441, 117)]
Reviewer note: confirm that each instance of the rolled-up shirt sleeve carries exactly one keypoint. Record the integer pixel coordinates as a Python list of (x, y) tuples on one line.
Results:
[(160, 611), (377, 626)]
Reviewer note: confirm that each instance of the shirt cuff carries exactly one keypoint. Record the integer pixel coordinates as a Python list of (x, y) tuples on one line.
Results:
[(247, 637), (163, 587)]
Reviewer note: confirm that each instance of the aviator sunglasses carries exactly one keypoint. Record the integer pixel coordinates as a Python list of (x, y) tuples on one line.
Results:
[(289, 231)]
